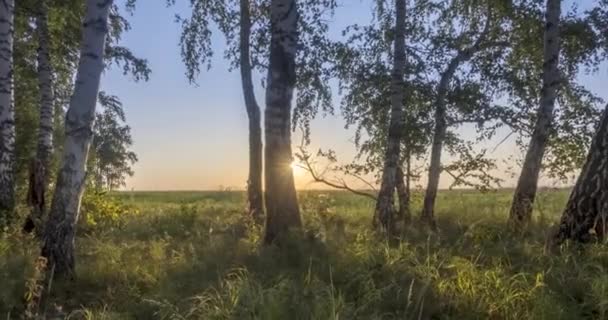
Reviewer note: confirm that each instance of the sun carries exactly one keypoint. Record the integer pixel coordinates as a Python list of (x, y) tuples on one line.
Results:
[(297, 169)]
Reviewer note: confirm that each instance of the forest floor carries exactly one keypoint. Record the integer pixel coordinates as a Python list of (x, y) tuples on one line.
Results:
[(192, 255)]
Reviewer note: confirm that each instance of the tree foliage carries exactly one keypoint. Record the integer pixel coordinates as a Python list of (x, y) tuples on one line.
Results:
[(110, 158), (313, 93), (65, 23)]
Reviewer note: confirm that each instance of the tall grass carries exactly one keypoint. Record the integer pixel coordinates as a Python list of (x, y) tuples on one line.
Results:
[(193, 256)]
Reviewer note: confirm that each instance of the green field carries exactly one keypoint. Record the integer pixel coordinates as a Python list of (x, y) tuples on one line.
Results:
[(192, 255)]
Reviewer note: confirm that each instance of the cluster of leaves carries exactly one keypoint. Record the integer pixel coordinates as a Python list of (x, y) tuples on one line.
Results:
[(483, 59), (313, 68), (439, 34), (515, 73), (110, 158), (65, 22), (101, 211)]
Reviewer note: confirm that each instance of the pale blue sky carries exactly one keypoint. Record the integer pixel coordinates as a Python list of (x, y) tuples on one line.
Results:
[(192, 138)]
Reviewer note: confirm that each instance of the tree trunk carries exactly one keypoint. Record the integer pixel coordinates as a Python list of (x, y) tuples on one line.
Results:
[(384, 205), (525, 192), (428, 206), (254, 183), (58, 244), (403, 193), (282, 211), (7, 112), (41, 164), (587, 206), (408, 172)]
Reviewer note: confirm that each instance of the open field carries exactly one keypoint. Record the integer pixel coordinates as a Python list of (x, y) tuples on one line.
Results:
[(191, 255)]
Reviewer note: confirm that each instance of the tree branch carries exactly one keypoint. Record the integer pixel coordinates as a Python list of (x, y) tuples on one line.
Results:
[(304, 158)]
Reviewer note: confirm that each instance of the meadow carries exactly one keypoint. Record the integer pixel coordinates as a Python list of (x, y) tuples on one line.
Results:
[(193, 255)]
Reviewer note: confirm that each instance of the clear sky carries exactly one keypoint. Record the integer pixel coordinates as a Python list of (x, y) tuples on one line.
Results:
[(195, 137)]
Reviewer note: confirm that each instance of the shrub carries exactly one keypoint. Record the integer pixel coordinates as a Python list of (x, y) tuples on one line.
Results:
[(100, 211)]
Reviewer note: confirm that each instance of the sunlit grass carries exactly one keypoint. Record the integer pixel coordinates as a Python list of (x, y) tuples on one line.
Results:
[(193, 255)]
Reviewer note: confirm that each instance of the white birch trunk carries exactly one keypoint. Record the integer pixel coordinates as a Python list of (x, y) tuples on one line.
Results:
[(384, 206), (525, 192), (7, 111), (60, 230), (45, 83), (40, 167)]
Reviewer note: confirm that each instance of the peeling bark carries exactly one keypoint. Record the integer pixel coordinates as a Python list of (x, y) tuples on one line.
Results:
[(58, 244), (384, 213), (282, 211), (525, 192), (7, 112), (254, 183)]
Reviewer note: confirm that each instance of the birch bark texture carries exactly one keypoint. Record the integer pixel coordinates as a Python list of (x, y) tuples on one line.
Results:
[(7, 111), (255, 201), (39, 178), (587, 207), (384, 213), (527, 184), (282, 211), (58, 243)]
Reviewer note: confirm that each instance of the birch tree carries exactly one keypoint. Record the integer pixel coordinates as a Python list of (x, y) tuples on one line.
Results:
[(7, 112), (525, 192), (110, 158), (587, 206), (384, 205), (282, 211), (40, 167), (246, 27), (58, 244), (254, 182), (363, 66), (463, 55)]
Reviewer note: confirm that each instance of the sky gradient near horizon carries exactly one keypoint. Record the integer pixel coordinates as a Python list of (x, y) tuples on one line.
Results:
[(194, 137)]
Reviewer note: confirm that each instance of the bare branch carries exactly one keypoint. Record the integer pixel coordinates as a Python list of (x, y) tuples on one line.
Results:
[(503, 141), (306, 164)]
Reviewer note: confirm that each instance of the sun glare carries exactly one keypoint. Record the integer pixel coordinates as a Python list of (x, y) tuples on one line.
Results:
[(297, 169)]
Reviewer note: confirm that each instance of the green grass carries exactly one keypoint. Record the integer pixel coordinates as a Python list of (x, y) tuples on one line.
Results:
[(191, 255)]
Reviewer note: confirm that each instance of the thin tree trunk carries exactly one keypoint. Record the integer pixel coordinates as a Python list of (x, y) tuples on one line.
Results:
[(41, 163), (408, 172), (525, 192), (587, 206), (254, 183), (7, 112), (58, 244), (403, 193), (428, 206), (282, 211), (384, 205)]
